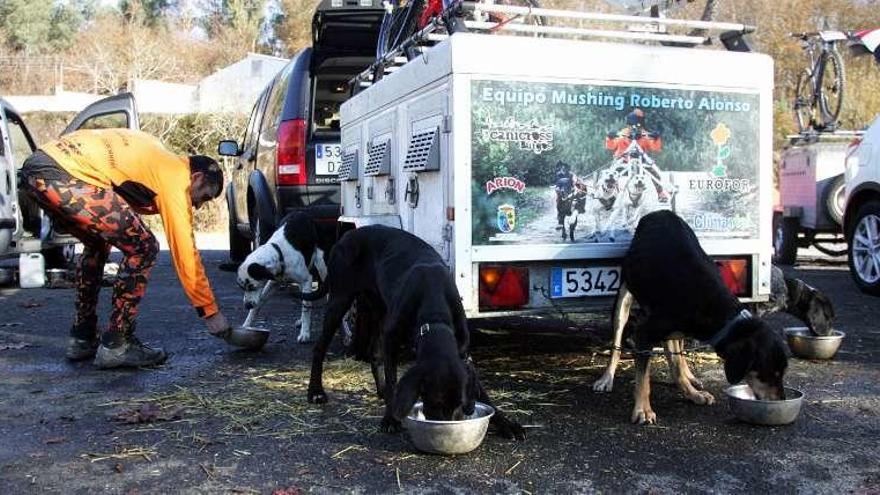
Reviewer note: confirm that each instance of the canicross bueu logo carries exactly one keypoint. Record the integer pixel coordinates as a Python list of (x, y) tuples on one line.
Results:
[(529, 136)]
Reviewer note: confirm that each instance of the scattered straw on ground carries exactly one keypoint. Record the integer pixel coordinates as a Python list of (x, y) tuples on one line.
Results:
[(121, 453)]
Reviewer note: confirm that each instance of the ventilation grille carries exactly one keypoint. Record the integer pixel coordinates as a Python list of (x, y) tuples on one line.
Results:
[(349, 168), (379, 160), (423, 153)]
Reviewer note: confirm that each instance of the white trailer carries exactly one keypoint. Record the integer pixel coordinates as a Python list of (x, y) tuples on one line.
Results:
[(809, 210), (479, 144)]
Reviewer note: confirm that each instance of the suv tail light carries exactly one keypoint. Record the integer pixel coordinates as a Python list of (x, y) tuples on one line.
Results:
[(290, 158), (736, 275), (503, 287)]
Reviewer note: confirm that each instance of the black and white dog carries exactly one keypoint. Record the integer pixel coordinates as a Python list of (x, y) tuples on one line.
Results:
[(290, 256), (679, 287), (409, 290)]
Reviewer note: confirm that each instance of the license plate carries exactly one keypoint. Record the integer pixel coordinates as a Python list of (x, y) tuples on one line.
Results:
[(577, 282), (328, 158)]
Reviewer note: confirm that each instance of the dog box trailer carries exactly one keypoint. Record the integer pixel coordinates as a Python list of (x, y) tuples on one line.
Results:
[(809, 210), (503, 153)]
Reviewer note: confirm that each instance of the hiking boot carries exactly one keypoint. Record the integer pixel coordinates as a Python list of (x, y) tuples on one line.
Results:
[(79, 349), (130, 354)]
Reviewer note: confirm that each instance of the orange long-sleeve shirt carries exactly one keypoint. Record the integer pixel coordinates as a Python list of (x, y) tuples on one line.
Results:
[(152, 180), (619, 144)]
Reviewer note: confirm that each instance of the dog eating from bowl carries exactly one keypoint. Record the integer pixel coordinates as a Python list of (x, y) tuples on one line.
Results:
[(290, 256)]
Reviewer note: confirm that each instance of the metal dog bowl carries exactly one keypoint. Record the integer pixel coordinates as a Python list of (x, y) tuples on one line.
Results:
[(804, 344), (448, 437), (247, 337), (764, 412)]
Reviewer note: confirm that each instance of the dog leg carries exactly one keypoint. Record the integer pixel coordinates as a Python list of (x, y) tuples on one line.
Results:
[(377, 363), (336, 310), (682, 375), (642, 412), (622, 307), (305, 330), (389, 423), (683, 364)]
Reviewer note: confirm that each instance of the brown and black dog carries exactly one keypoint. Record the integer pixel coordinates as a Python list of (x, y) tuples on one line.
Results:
[(679, 287), (791, 295), (411, 292)]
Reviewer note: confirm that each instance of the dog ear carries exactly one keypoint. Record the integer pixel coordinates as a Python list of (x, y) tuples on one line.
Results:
[(259, 272), (738, 360), (407, 392), (472, 390), (820, 314)]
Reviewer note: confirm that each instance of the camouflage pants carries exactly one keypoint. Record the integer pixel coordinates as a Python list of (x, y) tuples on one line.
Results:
[(99, 218)]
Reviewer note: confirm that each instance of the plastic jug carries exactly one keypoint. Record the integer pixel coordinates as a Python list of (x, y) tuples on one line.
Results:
[(31, 270)]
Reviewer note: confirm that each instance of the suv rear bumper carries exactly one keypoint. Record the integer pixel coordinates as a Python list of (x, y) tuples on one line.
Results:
[(320, 200)]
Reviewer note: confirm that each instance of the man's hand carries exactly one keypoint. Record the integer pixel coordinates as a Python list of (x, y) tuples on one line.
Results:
[(217, 325)]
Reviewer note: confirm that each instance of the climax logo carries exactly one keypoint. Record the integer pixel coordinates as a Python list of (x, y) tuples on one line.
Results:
[(497, 183)]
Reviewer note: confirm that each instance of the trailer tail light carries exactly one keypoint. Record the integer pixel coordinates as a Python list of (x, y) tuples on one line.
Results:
[(736, 275), (290, 158), (503, 287)]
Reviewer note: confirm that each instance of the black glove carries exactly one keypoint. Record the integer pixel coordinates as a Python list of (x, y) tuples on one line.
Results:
[(612, 135)]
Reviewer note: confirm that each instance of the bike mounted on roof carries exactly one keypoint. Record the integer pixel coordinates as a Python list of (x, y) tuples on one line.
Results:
[(819, 97)]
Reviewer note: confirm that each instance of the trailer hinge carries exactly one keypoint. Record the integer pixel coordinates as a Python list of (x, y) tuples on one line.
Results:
[(447, 124)]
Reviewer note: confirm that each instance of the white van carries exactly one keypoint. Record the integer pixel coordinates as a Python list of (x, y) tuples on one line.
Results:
[(24, 228)]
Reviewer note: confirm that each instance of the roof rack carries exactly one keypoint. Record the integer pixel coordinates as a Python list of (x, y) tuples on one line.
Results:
[(638, 28)]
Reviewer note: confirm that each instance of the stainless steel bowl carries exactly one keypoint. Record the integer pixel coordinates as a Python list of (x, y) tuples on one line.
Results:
[(448, 437), (804, 344), (764, 412), (248, 337)]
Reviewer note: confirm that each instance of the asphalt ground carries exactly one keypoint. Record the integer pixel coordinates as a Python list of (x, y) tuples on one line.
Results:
[(219, 420)]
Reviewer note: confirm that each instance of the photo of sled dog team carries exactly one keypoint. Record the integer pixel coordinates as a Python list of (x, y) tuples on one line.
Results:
[(615, 197)]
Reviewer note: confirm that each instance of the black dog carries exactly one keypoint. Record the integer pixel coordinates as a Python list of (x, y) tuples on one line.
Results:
[(790, 295), (409, 289), (679, 287)]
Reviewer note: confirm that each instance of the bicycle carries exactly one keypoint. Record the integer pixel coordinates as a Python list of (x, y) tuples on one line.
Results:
[(405, 18), (819, 94)]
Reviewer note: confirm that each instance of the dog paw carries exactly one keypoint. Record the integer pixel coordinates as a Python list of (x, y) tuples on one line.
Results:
[(304, 338), (702, 398), (317, 397), (510, 429), (644, 416), (604, 384), (390, 425)]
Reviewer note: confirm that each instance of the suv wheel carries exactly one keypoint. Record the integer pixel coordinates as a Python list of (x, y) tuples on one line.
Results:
[(239, 247), (864, 248), (60, 256), (785, 231)]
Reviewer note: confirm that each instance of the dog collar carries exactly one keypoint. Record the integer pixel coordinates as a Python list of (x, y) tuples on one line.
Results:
[(280, 253), (426, 328), (725, 330)]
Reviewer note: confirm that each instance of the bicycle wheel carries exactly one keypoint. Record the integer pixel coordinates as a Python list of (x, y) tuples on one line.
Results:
[(831, 84), (803, 102), (397, 26)]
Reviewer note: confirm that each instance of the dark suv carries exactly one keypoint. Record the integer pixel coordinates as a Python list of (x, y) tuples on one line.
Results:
[(290, 156)]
